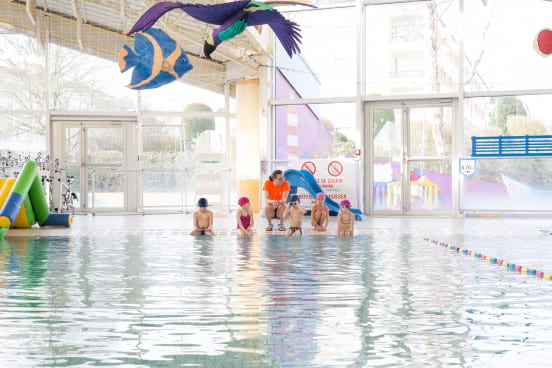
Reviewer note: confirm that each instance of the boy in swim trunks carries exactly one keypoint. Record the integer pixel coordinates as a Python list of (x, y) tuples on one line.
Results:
[(203, 219), (320, 214), (295, 213), (345, 219)]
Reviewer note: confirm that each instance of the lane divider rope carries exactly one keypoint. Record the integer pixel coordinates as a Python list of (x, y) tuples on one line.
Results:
[(492, 260)]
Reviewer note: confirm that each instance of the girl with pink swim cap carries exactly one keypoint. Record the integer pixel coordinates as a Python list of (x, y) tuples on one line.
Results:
[(345, 219), (320, 214), (244, 217)]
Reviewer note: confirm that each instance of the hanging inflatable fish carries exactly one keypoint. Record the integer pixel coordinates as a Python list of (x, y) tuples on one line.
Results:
[(543, 43), (158, 59), (232, 19)]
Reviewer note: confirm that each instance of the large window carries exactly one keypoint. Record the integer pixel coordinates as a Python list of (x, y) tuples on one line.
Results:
[(178, 153), (510, 184), (39, 79), (315, 131), (412, 48), (523, 184), (327, 63), (22, 96), (23, 134), (506, 115), (182, 97), (424, 52), (22, 68), (82, 82), (499, 37)]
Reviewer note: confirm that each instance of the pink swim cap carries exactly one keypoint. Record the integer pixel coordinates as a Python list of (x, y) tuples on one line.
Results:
[(320, 195), (345, 203), (242, 201)]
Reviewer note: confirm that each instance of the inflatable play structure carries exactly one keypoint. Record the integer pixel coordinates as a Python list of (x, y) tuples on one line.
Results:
[(23, 202), (304, 179)]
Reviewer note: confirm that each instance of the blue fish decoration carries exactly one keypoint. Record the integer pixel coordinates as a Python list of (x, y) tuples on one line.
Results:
[(157, 59)]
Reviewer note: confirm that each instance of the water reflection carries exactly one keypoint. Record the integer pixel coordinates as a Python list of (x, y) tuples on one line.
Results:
[(309, 301)]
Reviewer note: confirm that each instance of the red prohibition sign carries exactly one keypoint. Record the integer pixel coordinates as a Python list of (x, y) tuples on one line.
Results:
[(335, 168), (309, 166)]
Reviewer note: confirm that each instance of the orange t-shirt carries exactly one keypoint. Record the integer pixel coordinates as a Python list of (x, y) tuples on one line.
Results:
[(275, 193)]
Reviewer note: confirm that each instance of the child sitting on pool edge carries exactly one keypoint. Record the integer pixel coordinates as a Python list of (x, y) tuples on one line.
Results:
[(203, 219), (345, 219), (244, 217), (320, 214), (295, 213)]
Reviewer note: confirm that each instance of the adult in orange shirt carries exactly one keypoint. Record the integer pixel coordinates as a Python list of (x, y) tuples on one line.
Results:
[(276, 191)]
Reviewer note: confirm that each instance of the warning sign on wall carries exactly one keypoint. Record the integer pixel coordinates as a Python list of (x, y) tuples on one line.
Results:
[(309, 166), (335, 168), (338, 179)]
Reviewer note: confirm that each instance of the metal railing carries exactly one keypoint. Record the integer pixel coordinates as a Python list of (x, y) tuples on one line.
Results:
[(512, 146)]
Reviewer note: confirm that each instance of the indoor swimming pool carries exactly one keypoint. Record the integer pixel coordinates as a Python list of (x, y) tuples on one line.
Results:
[(271, 301)]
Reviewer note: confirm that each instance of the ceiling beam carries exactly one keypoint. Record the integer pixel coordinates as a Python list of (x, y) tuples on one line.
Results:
[(30, 8), (78, 15)]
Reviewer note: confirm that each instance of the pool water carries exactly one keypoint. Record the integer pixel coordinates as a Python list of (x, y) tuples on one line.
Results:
[(270, 301)]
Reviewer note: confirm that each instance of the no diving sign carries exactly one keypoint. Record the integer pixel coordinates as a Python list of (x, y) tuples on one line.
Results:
[(335, 168), (309, 166)]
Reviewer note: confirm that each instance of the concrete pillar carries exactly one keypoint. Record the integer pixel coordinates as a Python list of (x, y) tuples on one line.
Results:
[(248, 165)]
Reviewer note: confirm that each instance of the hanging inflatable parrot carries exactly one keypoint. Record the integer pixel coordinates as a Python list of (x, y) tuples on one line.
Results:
[(543, 43), (232, 18), (157, 59)]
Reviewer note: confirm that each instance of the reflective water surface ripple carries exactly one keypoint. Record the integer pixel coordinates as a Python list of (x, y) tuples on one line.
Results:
[(315, 301)]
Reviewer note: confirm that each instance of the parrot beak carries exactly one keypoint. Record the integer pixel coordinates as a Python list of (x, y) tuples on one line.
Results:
[(208, 49)]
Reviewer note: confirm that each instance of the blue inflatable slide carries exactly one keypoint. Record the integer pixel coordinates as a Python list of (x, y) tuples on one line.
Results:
[(304, 179)]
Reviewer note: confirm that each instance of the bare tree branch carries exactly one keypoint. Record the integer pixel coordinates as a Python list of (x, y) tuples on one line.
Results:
[(477, 61)]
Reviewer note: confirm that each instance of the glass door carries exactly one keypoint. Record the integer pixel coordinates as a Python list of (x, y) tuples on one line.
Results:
[(411, 158), (164, 159), (72, 160), (94, 155), (387, 162), (104, 152), (429, 158)]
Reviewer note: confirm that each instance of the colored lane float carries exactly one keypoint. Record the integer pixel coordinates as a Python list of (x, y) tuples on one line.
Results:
[(23, 203), (492, 260)]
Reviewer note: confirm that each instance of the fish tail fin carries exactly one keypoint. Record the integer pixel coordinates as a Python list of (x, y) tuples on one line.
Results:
[(127, 59)]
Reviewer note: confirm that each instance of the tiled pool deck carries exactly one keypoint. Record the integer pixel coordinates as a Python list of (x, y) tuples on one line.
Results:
[(180, 224)]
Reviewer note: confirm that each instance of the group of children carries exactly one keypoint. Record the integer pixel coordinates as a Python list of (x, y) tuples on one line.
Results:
[(320, 216)]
